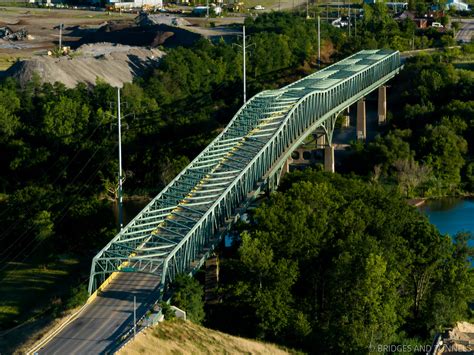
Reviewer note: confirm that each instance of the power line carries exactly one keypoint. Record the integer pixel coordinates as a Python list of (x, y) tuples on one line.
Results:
[(64, 169), (24, 233), (5, 233), (57, 220)]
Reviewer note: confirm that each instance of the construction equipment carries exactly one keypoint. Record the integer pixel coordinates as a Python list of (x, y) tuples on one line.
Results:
[(8, 34)]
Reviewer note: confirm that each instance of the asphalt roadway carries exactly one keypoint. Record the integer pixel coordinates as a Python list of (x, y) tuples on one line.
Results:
[(110, 315), (466, 32)]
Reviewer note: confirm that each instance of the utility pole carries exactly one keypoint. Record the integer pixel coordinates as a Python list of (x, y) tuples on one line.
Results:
[(134, 316), (120, 204), (319, 41), (207, 9), (307, 9), (244, 69), (60, 37), (244, 47), (349, 20), (355, 25)]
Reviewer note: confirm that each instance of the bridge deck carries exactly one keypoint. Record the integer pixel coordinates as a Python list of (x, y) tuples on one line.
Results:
[(110, 315)]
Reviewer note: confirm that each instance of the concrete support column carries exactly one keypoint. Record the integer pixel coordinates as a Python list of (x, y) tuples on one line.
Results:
[(361, 120), (321, 141), (329, 158), (345, 118), (382, 105), (286, 166)]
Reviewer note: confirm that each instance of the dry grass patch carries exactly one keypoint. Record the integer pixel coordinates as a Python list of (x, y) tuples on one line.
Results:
[(178, 337)]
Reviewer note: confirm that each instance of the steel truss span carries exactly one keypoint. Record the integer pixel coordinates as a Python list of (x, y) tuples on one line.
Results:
[(174, 230)]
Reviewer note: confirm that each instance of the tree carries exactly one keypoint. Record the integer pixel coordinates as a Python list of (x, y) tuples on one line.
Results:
[(391, 148), (188, 295), (443, 152), (9, 121), (43, 226), (470, 176), (410, 174), (64, 119)]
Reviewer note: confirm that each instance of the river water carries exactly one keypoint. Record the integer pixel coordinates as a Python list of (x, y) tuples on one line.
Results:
[(451, 215), (130, 209)]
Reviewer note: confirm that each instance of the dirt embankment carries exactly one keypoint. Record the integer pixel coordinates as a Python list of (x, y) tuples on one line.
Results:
[(458, 340), (180, 337), (115, 64)]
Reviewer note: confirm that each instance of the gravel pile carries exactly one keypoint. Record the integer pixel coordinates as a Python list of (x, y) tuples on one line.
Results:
[(162, 19), (113, 63)]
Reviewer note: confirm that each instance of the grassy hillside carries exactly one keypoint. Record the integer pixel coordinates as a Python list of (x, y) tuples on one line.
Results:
[(178, 337)]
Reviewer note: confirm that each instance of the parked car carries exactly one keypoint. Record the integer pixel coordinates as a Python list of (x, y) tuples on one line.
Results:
[(259, 7)]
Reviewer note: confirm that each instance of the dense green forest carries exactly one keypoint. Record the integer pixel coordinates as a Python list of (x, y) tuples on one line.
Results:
[(332, 264), (58, 146)]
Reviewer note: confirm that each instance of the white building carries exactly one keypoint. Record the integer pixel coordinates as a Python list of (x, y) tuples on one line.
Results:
[(457, 5), (135, 3)]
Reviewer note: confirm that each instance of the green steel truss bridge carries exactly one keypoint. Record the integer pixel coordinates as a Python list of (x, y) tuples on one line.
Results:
[(173, 233)]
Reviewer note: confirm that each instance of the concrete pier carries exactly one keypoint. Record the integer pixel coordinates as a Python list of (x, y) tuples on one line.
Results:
[(382, 105), (345, 118), (361, 127), (329, 158), (321, 141)]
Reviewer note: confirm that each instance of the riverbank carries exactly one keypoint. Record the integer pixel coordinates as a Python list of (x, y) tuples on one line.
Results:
[(420, 201), (416, 202)]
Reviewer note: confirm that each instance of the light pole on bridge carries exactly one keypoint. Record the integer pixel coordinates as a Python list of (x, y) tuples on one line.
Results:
[(319, 41), (120, 192), (120, 173), (244, 47)]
